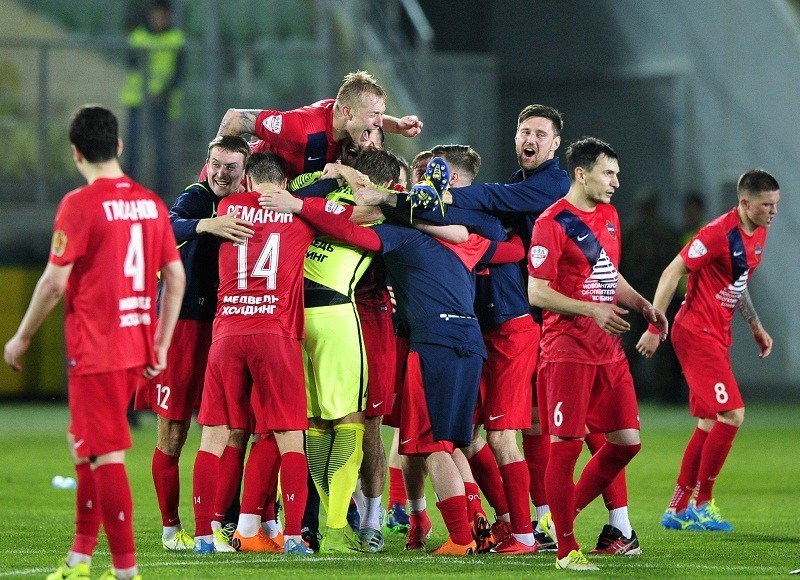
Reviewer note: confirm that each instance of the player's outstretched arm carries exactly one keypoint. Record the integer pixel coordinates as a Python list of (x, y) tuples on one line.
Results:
[(49, 290), (627, 296), (174, 280), (606, 315), (238, 122), (408, 126), (667, 284), (454, 234), (761, 336), (226, 226)]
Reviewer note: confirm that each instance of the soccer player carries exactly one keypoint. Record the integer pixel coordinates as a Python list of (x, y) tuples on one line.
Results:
[(583, 374), (175, 394), (260, 302), (309, 137), (719, 261), (110, 239)]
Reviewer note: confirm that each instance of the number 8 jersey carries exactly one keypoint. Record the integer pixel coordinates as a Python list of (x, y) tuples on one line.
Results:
[(261, 280), (117, 235)]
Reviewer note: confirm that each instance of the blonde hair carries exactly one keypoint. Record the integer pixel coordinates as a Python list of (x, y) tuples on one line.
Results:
[(355, 86)]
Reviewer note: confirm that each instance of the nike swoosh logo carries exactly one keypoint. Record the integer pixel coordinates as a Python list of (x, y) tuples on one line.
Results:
[(404, 441), (496, 417), (78, 444), (583, 237), (314, 158), (738, 253), (376, 405)]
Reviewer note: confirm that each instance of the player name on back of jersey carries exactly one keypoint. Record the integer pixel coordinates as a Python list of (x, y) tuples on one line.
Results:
[(127, 319), (130, 210), (248, 305), (259, 215)]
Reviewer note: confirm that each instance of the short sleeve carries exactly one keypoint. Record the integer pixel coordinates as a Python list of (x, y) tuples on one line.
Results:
[(705, 246), (70, 233), (547, 243), (281, 130)]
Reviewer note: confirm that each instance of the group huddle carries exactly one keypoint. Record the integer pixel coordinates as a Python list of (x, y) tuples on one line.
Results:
[(332, 288)]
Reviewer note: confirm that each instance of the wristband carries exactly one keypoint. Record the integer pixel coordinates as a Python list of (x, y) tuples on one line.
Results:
[(653, 329)]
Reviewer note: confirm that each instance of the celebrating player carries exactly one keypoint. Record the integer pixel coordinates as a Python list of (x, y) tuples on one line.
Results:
[(719, 260)]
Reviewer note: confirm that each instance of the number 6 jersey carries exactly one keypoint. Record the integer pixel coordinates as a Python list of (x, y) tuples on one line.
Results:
[(117, 235)]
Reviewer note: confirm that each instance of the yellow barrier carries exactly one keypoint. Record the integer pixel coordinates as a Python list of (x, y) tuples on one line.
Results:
[(44, 365)]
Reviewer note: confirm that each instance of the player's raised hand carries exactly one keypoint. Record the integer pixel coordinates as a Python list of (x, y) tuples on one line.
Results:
[(607, 316), (370, 196), (15, 348), (280, 201), (409, 126), (763, 340), (648, 344), (226, 226)]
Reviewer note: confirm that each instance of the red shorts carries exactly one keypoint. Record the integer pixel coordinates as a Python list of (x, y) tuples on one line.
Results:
[(506, 394), (379, 340), (98, 405), (416, 435), (392, 419), (706, 364), (600, 398), (175, 393), (255, 382), (535, 401)]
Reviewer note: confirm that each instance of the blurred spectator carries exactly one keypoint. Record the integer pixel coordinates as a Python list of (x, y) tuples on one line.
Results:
[(152, 91), (694, 211), (648, 247)]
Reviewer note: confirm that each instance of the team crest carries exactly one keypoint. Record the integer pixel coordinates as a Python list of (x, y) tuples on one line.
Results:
[(611, 229), (333, 207), (59, 243), (273, 123), (697, 249), (758, 250), (538, 255)]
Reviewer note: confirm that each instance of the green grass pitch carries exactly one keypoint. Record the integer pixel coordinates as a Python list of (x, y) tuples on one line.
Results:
[(758, 491)]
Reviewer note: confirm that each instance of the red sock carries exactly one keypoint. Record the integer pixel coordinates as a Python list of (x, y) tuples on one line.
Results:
[(487, 475), (166, 479), (421, 520), (560, 484), (204, 490), (690, 466), (474, 503), (515, 485), (261, 468), (537, 451), (601, 470), (231, 468), (715, 451), (116, 504), (616, 494), (397, 487), (87, 511), (454, 514), (294, 490)]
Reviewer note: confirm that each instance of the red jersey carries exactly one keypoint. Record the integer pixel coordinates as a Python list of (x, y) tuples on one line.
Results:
[(261, 280), (117, 235), (302, 137), (371, 294), (721, 257), (578, 252)]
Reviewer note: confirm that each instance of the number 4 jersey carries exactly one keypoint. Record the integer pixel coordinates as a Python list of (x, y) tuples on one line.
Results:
[(261, 280), (117, 235)]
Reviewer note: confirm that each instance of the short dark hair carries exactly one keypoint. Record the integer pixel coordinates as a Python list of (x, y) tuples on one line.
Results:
[(542, 111), (94, 131), (755, 182), (232, 143), (463, 157), (585, 152), (379, 165), (266, 167)]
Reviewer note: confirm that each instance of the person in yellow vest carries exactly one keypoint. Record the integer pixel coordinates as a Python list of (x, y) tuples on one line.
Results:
[(151, 92)]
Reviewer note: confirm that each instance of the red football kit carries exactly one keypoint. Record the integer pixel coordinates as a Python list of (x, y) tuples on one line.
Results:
[(117, 235), (579, 252), (259, 323), (720, 258)]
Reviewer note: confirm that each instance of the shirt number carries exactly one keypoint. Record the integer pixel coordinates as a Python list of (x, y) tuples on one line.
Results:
[(265, 267), (134, 258)]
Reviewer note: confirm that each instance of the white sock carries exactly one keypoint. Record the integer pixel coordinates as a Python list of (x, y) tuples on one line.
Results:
[(170, 531), (74, 558), (526, 539), (372, 514), (416, 506), (206, 539), (540, 511), (248, 525), (215, 525), (126, 573), (270, 528), (619, 519), (360, 500)]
